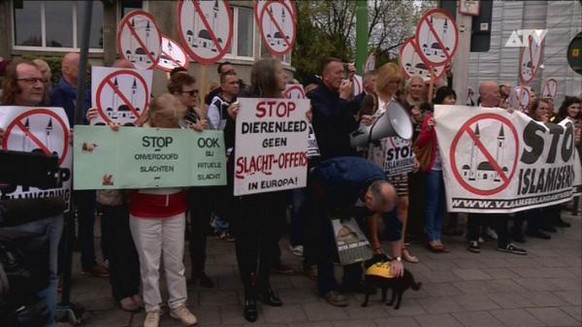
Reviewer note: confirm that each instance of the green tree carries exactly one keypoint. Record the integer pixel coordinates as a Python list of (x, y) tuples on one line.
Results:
[(319, 26), (328, 28)]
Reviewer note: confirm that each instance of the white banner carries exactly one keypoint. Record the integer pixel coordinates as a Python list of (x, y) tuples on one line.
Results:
[(38, 129), (500, 162), (271, 145)]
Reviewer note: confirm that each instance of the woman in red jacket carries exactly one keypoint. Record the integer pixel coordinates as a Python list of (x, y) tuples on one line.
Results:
[(435, 188)]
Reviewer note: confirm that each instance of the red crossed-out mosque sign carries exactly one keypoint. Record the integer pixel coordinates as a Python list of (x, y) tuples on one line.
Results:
[(173, 55), (493, 142), (38, 130), (277, 23), (294, 91), (139, 40), (530, 60), (550, 89), (123, 96), (205, 29), (413, 64), (437, 37)]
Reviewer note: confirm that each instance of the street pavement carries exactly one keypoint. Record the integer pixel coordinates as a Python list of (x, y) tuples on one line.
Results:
[(459, 288)]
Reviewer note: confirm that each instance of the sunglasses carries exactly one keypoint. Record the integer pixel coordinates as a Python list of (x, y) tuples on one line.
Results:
[(191, 93), (31, 80)]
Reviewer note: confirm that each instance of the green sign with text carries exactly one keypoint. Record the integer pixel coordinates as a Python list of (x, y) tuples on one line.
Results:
[(146, 158)]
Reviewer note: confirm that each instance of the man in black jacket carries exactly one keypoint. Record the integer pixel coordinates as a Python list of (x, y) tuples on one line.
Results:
[(333, 110)]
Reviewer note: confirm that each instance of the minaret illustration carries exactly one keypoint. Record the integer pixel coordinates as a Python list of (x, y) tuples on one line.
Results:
[(24, 138), (133, 95), (499, 151), (147, 40), (472, 173), (48, 130), (130, 51), (114, 95)]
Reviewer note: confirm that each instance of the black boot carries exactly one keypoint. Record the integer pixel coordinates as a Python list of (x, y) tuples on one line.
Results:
[(266, 293), (269, 297), (250, 311)]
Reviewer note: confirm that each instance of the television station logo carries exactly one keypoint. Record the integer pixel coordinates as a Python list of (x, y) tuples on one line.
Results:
[(521, 38)]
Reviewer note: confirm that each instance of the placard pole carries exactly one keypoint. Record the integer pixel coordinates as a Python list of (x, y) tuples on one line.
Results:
[(461, 62)]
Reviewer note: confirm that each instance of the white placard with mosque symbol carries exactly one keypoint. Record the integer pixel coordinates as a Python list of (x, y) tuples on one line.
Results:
[(139, 40), (120, 95), (42, 130), (412, 64), (205, 29), (437, 37), (173, 55), (278, 28)]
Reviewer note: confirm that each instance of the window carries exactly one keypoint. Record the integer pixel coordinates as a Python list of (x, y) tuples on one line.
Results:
[(242, 44), (55, 25), (266, 54), (246, 33), (128, 5)]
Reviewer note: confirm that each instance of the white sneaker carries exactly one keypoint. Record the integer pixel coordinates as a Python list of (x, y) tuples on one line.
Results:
[(184, 315), (481, 240), (152, 319)]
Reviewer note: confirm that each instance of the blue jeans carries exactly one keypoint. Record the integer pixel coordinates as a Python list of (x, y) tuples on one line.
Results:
[(53, 227), (435, 205)]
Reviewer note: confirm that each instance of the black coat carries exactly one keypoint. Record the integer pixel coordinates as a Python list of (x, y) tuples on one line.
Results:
[(333, 121)]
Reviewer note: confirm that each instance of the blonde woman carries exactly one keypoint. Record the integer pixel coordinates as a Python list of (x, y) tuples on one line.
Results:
[(387, 85)]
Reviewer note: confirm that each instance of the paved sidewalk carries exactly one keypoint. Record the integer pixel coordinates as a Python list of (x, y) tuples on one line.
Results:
[(460, 288)]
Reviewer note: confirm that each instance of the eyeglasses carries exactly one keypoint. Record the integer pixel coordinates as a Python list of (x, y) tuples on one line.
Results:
[(191, 93), (32, 80)]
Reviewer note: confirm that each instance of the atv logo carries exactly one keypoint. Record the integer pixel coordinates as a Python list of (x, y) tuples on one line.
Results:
[(520, 38)]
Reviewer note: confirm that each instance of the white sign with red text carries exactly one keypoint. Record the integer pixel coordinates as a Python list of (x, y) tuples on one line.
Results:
[(271, 145)]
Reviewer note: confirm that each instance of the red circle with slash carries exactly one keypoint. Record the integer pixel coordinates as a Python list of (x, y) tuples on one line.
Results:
[(108, 82), (221, 50), (17, 124), (437, 44), (466, 129), (288, 41), (125, 25)]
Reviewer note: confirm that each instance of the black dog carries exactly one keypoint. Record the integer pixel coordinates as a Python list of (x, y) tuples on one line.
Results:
[(398, 285)]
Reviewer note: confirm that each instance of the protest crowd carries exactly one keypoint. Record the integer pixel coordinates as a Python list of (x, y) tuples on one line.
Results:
[(146, 230)]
